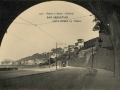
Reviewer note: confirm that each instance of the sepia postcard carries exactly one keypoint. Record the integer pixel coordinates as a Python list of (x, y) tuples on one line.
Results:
[(59, 45)]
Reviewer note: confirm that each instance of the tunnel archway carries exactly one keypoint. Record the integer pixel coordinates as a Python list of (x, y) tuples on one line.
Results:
[(106, 11), (18, 7)]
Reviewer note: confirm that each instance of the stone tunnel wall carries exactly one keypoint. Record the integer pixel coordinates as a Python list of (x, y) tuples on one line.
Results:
[(114, 27)]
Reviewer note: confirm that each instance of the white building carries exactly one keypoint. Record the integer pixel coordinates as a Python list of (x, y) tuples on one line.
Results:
[(65, 49), (80, 43)]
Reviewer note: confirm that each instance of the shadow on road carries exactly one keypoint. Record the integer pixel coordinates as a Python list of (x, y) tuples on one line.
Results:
[(66, 78)]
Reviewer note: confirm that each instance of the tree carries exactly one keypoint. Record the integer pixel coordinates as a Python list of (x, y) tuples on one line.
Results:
[(59, 50), (97, 25), (52, 60)]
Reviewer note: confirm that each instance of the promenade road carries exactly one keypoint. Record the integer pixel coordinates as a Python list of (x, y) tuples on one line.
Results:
[(68, 78)]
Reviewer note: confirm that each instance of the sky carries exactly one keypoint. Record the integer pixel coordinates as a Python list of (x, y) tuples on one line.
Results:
[(32, 32)]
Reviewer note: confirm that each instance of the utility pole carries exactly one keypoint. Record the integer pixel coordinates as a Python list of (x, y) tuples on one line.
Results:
[(49, 59), (56, 55), (92, 53), (61, 59)]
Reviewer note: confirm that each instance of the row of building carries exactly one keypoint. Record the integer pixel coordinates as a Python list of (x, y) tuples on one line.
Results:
[(71, 51), (81, 44), (23, 62)]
